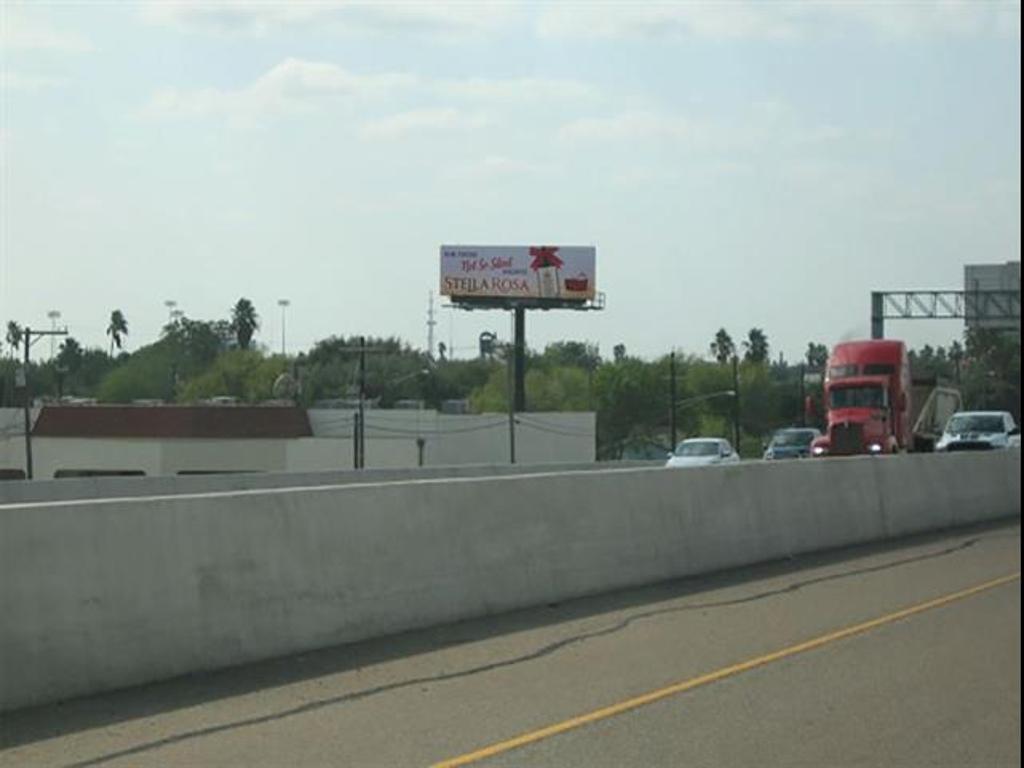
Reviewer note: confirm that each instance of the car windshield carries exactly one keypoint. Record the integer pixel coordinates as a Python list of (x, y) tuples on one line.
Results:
[(793, 437), (697, 448), (975, 423), (868, 396)]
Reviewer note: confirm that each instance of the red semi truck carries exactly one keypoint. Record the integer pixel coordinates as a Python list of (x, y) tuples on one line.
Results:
[(873, 406)]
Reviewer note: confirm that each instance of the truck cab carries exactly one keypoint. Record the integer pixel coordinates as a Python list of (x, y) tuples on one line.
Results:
[(867, 393)]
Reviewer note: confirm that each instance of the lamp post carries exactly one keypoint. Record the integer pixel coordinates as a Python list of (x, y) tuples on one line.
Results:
[(54, 316), (283, 304)]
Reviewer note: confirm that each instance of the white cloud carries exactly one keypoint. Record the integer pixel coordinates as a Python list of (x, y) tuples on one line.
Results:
[(297, 85), (416, 121), (518, 90), (23, 32), (632, 126), (758, 20), (724, 20), (16, 81), (762, 125), (294, 85), (257, 18)]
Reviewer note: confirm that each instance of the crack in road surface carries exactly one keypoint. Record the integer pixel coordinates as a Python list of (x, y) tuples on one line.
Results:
[(539, 653)]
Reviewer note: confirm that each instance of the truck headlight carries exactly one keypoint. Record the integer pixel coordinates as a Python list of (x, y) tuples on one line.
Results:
[(875, 448), (819, 450)]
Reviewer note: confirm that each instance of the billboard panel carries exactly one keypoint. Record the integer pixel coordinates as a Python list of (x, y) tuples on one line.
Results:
[(530, 272)]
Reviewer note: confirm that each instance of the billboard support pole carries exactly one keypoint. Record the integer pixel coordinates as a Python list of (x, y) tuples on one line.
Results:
[(520, 359), (511, 412)]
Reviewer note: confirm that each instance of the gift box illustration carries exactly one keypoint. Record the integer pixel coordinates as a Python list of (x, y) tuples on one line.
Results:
[(578, 284), (545, 265)]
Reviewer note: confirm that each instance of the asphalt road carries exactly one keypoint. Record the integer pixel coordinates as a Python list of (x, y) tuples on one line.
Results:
[(903, 667)]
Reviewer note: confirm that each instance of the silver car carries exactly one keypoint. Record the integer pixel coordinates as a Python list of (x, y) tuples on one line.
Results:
[(702, 452), (979, 431)]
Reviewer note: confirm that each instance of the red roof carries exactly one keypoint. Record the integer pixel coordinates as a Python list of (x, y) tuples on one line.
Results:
[(169, 421)]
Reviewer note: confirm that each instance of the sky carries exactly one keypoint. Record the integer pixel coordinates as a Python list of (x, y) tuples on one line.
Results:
[(735, 164)]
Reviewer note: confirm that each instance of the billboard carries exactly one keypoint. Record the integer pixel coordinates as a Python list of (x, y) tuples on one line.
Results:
[(533, 273)]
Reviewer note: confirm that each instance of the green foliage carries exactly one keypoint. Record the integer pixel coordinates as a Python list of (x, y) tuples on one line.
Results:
[(632, 404), (755, 346), (117, 329), (14, 335), (816, 356), (991, 371), (69, 358), (722, 347), (572, 353), (244, 322), (146, 375), (548, 388), (240, 373)]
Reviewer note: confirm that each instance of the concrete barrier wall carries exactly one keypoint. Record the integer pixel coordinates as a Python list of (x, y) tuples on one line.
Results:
[(103, 594), (25, 491)]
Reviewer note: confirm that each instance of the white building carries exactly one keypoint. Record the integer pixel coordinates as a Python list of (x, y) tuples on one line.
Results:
[(76, 441)]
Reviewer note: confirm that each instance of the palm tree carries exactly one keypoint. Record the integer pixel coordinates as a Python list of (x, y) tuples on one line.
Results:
[(70, 356), (756, 346), (816, 356), (117, 328), (722, 348), (244, 322), (14, 335)]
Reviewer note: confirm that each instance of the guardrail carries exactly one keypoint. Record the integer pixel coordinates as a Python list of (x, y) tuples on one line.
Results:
[(108, 593), (27, 491)]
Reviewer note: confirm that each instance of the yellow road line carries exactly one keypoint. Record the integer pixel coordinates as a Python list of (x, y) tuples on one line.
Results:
[(719, 674)]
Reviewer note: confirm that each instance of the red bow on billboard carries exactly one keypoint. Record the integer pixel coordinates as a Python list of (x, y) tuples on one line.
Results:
[(544, 256)]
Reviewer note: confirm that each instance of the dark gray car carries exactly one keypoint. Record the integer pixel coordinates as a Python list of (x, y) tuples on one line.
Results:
[(792, 443)]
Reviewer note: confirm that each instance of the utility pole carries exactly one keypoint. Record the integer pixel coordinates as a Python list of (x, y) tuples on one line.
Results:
[(672, 397), (362, 396), (28, 394), (736, 403), (803, 395)]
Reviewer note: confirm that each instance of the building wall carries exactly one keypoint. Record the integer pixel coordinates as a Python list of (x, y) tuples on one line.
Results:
[(391, 442)]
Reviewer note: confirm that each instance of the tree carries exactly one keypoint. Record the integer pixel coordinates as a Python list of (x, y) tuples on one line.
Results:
[(14, 335), (577, 354), (116, 329), (244, 374), (70, 356), (755, 346), (722, 348), (816, 356), (244, 322), (619, 352)]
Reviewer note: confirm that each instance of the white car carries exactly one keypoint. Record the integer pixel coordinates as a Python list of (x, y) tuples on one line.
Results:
[(979, 431), (702, 452)]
